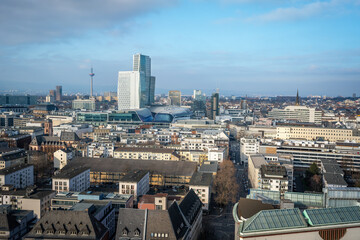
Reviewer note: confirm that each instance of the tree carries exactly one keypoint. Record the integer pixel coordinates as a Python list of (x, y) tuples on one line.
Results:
[(313, 169), (315, 183), (225, 184)]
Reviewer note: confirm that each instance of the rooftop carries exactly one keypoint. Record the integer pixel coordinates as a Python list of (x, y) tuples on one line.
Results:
[(332, 216), (178, 168), (141, 149), (134, 176), (14, 168), (334, 179), (69, 173), (272, 171), (201, 179)]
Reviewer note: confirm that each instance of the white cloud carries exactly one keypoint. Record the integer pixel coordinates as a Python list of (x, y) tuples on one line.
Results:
[(303, 12), (42, 20)]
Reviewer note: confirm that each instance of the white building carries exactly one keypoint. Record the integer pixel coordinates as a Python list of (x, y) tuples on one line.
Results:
[(62, 158), (79, 129), (298, 113), (201, 184), (20, 176), (76, 180), (100, 150), (248, 146), (135, 183), (217, 154), (131, 90)]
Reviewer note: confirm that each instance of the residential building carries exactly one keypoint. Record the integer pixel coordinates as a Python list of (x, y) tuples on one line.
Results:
[(180, 221), (135, 183), (11, 156), (100, 149), (77, 179), (175, 98), (37, 201), (248, 146), (201, 184), (158, 201), (62, 157), (15, 223), (20, 176), (62, 224), (140, 153)]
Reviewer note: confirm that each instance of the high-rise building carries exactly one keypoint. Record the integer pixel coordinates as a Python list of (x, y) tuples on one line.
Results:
[(131, 90), (175, 98), (214, 111), (52, 93), (58, 93), (142, 63)]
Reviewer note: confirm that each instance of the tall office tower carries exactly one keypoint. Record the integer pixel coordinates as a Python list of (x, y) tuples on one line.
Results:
[(52, 93), (131, 91), (142, 63), (175, 98), (354, 95), (58, 93), (196, 93), (152, 90), (214, 111)]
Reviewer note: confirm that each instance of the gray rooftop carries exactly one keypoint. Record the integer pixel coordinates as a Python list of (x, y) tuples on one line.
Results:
[(177, 168), (14, 168), (134, 176), (201, 179), (70, 172), (258, 160), (209, 167), (334, 179)]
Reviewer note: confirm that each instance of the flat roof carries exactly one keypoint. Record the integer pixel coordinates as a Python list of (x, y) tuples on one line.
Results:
[(69, 173), (13, 169), (334, 179), (175, 168), (144, 149), (134, 176), (201, 179)]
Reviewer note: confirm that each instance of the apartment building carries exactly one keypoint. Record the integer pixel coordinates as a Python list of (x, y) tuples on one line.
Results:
[(135, 183), (11, 156), (248, 146), (20, 176), (62, 157), (201, 184), (146, 153), (77, 179)]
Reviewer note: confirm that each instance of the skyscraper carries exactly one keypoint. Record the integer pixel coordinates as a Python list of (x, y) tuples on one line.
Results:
[(58, 93), (131, 90), (214, 111), (175, 98), (142, 63)]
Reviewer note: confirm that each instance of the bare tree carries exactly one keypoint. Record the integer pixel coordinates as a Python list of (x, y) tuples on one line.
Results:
[(225, 184)]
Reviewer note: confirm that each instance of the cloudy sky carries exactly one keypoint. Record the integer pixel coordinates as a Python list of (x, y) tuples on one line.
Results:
[(253, 47)]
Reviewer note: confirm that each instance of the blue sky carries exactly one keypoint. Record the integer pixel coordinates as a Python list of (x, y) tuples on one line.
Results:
[(242, 47)]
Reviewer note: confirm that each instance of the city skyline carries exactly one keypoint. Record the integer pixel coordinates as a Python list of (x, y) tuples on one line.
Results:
[(254, 48)]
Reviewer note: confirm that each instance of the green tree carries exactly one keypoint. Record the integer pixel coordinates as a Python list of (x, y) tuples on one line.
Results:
[(225, 184)]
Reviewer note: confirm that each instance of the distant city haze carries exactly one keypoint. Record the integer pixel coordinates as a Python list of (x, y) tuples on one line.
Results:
[(242, 47)]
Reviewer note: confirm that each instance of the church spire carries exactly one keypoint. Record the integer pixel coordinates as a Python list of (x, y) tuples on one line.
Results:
[(297, 103)]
